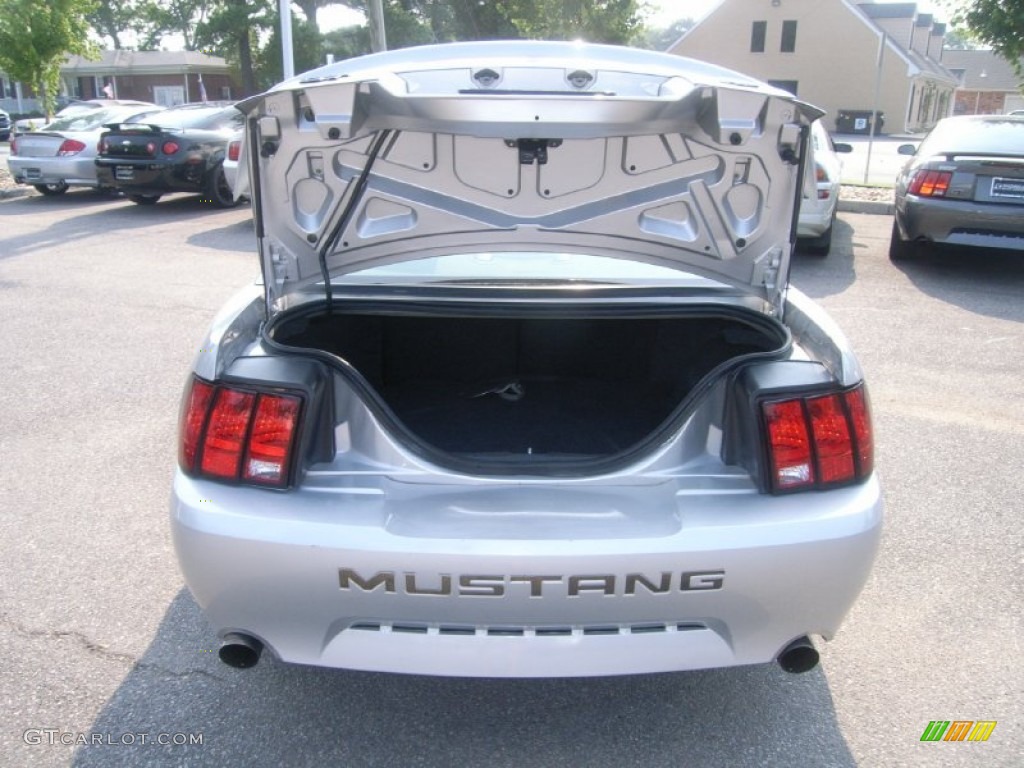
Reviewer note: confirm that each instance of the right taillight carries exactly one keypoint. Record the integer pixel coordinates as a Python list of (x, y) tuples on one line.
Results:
[(930, 183), (238, 435), (818, 441)]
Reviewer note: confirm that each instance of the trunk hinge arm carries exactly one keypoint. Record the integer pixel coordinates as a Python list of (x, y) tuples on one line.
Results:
[(358, 188)]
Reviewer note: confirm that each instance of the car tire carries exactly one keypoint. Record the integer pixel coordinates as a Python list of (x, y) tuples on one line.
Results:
[(218, 191), (900, 249), (144, 199), (822, 244), (52, 190)]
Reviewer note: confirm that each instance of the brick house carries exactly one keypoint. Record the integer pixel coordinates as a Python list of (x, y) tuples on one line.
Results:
[(163, 77), (988, 84)]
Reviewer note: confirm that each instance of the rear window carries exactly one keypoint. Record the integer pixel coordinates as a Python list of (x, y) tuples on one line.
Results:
[(209, 118), (975, 137), (94, 118)]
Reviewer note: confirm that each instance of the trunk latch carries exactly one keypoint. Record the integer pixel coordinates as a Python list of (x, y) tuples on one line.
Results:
[(533, 149)]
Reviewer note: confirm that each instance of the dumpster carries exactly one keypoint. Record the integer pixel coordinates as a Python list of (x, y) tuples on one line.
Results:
[(858, 121)]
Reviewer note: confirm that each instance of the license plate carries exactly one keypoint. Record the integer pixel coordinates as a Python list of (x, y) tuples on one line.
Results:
[(33, 174), (1008, 188), (124, 173)]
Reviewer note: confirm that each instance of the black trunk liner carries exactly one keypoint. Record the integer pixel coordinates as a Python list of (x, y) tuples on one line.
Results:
[(553, 415)]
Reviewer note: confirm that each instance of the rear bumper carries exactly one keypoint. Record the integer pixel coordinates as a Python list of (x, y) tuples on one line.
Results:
[(816, 216), (151, 177), (952, 222), (79, 172), (324, 578)]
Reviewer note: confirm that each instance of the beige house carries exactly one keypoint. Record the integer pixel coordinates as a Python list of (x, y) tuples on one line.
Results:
[(830, 53)]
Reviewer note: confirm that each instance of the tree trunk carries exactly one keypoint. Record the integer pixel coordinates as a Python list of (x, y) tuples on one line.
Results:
[(245, 63)]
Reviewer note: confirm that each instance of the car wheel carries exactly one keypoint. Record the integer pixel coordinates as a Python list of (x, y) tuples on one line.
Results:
[(822, 244), (52, 189), (218, 191), (900, 249), (144, 199)]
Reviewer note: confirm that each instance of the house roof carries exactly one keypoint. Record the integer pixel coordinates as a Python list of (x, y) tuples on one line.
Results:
[(145, 62), (889, 10), (924, 64), (997, 71)]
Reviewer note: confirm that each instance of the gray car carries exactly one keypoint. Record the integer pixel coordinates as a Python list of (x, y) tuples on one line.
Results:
[(63, 153), (524, 390), (963, 186)]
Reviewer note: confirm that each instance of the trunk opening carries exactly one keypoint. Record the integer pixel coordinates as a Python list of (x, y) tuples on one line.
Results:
[(530, 388)]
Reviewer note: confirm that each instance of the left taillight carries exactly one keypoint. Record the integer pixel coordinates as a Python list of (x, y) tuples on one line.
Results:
[(818, 441), (239, 435), (930, 183), (14, 146), (234, 151)]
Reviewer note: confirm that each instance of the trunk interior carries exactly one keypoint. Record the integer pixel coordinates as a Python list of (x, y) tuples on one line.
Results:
[(528, 386)]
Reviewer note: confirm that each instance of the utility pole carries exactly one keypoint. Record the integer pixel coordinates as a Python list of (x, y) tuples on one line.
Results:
[(284, 10), (874, 113), (375, 19)]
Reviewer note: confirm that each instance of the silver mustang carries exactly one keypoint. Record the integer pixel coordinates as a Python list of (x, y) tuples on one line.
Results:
[(524, 390)]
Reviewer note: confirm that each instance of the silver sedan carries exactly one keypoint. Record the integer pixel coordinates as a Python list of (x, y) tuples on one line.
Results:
[(63, 153)]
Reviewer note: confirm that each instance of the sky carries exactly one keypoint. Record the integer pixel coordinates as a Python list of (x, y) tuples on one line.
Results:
[(664, 12)]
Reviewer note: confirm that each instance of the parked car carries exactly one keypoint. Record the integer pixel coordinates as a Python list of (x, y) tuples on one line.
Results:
[(70, 107), (821, 191), (180, 150), (524, 390), (64, 153), (964, 185), (235, 169), (5, 126)]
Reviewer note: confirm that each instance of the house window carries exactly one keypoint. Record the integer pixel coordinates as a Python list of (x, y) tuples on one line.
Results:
[(757, 35), (785, 85), (788, 36)]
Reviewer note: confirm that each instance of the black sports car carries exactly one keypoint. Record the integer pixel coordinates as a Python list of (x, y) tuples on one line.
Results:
[(180, 150)]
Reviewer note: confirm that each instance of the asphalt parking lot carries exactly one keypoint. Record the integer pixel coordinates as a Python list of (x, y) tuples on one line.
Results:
[(102, 305)]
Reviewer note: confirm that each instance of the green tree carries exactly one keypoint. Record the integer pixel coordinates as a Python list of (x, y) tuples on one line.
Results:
[(110, 19), (998, 23), (35, 39), (660, 38), (174, 17), (307, 45), (596, 21), (232, 30)]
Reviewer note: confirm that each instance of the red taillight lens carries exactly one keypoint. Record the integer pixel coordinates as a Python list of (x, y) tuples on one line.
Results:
[(832, 438), (818, 441), (930, 183), (234, 151), (225, 433), (236, 435), (860, 416), (101, 148), (789, 445), (273, 432), (14, 146), (193, 417), (70, 147), (170, 147), (820, 173)]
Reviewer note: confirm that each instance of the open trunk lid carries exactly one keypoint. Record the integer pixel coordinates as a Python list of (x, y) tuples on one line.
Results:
[(525, 147)]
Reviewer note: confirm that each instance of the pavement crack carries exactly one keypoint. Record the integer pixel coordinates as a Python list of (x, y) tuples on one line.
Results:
[(92, 646)]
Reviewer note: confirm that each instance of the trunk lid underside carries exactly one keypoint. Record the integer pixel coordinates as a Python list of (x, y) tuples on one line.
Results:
[(526, 147)]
